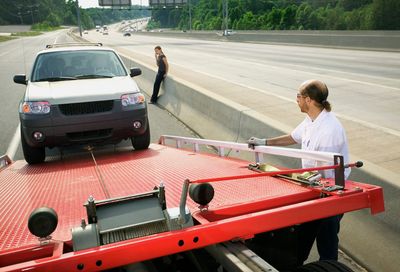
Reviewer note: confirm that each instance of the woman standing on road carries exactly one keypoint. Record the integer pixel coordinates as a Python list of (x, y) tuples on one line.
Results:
[(162, 64)]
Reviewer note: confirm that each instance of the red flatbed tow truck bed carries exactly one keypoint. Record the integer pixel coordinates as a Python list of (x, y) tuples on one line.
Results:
[(245, 203)]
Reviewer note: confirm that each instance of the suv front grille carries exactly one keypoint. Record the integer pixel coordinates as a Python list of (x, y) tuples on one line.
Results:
[(86, 108), (90, 135)]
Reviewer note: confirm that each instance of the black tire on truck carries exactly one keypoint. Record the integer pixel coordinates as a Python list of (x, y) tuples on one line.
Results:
[(32, 155), (142, 141), (324, 266)]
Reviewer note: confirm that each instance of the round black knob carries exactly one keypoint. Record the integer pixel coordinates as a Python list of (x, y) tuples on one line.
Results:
[(42, 222), (201, 193), (359, 164)]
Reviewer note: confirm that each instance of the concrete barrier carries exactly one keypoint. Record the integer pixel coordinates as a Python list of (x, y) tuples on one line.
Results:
[(210, 115), (200, 109)]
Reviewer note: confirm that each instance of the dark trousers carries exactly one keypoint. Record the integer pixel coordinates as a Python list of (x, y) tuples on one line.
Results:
[(325, 232), (156, 87), (327, 238)]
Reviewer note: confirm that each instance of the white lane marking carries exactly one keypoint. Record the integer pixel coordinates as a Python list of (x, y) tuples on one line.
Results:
[(336, 77), (5, 53), (303, 69), (55, 41), (13, 146)]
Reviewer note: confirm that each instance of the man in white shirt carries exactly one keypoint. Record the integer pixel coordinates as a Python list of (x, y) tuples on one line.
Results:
[(319, 131)]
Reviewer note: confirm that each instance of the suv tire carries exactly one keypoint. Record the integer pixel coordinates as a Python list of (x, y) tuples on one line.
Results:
[(32, 155), (143, 141), (321, 266)]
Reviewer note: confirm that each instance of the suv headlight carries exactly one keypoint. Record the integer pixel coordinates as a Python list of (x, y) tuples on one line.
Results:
[(41, 107), (132, 99)]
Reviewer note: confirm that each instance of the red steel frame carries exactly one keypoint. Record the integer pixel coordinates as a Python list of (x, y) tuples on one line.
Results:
[(234, 222), (220, 224)]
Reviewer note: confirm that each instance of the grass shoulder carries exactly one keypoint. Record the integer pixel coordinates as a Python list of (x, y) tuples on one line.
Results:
[(36, 30), (26, 34), (6, 38)]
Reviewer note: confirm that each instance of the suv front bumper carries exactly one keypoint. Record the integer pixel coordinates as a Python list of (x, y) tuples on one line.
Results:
[(105, 127)]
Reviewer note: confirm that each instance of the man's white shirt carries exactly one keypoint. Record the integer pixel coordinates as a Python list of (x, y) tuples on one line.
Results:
[(325, 133)]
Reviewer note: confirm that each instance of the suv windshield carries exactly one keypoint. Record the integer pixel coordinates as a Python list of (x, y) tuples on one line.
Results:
[(78, 64)]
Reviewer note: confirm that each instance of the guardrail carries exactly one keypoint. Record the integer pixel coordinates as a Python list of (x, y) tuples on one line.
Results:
[(258, 150), (335, 160)]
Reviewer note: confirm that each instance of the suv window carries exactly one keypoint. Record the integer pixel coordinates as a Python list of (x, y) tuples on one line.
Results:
[(80, 64)]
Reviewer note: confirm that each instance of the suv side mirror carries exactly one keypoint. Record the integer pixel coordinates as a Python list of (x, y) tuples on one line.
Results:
[(20, 79), (135, 71)]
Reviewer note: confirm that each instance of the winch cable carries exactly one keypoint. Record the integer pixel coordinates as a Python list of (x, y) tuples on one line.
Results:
[(98, 172)]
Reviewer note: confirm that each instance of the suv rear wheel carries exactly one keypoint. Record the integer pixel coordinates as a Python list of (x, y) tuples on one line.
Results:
[(143, 141), (322, 266), (32, 155)]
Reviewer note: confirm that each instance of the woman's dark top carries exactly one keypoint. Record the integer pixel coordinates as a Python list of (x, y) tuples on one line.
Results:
[(160, 63)]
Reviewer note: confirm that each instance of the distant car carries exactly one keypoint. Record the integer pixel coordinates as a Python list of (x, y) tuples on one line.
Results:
[(228, 32), (85, 32), (80, 95), (127, 34), (105, 32)]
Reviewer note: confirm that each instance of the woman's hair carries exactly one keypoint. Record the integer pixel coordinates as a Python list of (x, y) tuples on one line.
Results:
[(158, 47), (317, 91)]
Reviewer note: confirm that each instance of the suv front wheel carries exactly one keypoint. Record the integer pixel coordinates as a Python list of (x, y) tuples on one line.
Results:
[(143, 141), (32, 155)]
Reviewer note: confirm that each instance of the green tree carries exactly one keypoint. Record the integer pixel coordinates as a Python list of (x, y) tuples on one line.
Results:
[(302, 16), (249, 21), (353, 19), (315, 20), (288, 18), (386, 14), (236, 12), (366, 18), (334, 19), (197, 25), (274, 18), (351, 4), (207, 14)]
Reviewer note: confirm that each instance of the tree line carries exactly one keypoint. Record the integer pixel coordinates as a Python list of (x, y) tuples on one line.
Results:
[(50, 14), (283, 15), (211, 14)]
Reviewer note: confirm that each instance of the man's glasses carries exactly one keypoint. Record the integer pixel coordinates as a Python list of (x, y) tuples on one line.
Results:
[(298, 95)]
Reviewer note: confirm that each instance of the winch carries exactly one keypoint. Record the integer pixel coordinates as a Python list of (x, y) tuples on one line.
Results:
[(118, 219)]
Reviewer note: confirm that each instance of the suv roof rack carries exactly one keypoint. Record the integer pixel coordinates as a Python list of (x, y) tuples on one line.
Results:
[(54, 45)]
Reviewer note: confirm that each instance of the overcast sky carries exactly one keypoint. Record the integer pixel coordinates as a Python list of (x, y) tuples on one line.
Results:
[(95, 3)]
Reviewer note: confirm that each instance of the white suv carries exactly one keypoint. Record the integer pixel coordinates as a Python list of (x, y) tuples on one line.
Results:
[(80, 94)]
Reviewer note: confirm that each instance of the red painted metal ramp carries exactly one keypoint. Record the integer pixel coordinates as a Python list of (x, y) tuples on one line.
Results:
[(245, 203), (65, 185)]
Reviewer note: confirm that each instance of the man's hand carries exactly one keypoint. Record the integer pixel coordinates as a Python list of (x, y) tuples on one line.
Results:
[(253, 141)]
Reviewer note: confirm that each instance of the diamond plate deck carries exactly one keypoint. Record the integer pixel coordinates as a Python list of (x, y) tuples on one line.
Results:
[(65, 185)]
